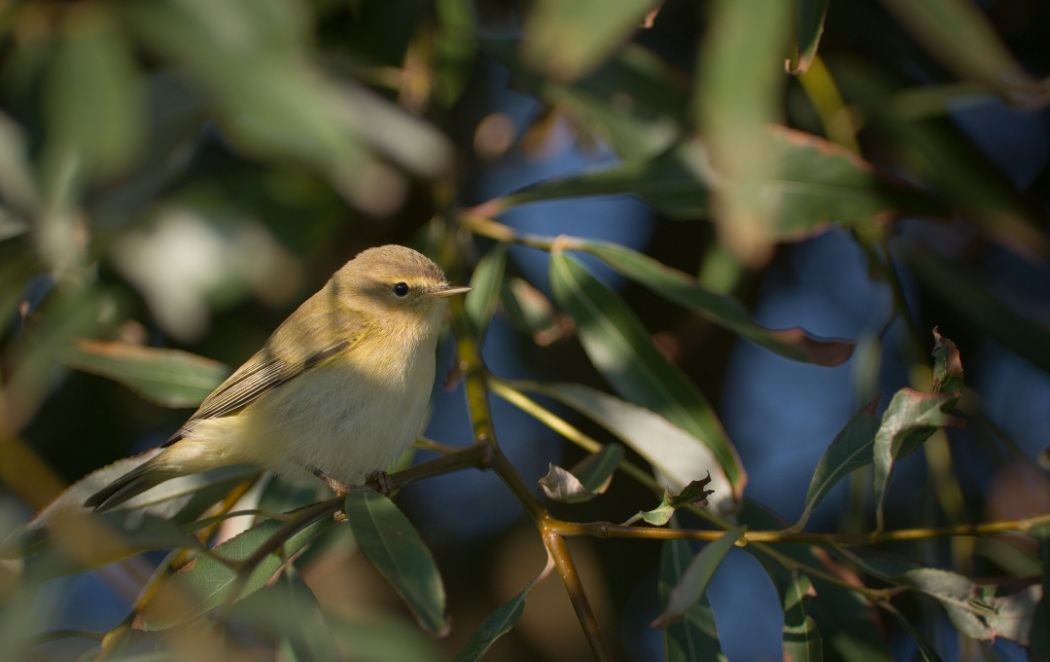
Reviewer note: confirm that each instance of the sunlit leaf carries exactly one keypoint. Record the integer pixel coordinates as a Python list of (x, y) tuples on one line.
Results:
[(168, 377), (586, 480), (622, 350), (851, 449), (678, 457), (695, 637), (909, 420), (567, 40), (693, 584), (975, 609), (393, 545)]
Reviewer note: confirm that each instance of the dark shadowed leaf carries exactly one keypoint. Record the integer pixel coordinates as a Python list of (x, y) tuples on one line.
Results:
[(622, 350), (850, 450), (208, 582), (964, 39), (693, 584), (947, 365), (168, 377), (695, 636), (925, 649), (1039, 633), (809, 26), (394, 546), (495, 625)]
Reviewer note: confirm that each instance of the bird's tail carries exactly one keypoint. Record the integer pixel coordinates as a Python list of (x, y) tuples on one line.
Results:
[(133, 483)]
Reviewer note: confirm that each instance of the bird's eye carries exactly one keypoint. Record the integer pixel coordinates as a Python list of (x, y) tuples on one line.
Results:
[(401, 289)]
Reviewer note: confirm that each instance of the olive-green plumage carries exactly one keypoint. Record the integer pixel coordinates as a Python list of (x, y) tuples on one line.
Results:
[(341, 386)]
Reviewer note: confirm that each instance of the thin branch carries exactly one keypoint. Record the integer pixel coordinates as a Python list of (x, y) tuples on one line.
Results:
[(559, 551)]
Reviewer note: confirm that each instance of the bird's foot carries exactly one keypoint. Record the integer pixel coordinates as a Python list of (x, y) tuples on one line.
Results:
[(380, 480)]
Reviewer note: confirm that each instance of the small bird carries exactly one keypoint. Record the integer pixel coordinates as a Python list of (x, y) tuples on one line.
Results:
[(338, 391)]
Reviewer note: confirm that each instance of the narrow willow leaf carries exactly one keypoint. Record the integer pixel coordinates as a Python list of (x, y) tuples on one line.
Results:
[(486, 284), (394, 546), (622, 350), (726, 311), (910, 419), (851, 449), (495, 625), (208, 582), (974, 609), (963, 38), (802, 640), (167, 377), (695, 637), (947, 365), (677, 457), (288, 609), (567, 40), (809, 26), (691, 588), (94, 112), (739, 77), (531, 312)]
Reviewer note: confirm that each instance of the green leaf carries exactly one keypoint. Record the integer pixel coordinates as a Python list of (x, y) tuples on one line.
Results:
[(947, 365), (622, 350), (726, 311), (809, 26), (637, 101), (802, 640), (208, 582), (93, 107), (167, 377), (586, 480), (567, 40), (693, 584), (739, 78), (910, 419), (974, 609), (677, 457), (819, 185), (393, 545), (695, 637), (530, 311), (693, 494), (963, 38), (496, 624), (486, 284), (851, 449)]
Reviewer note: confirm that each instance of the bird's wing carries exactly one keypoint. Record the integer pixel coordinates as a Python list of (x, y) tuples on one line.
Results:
[(262, 372)]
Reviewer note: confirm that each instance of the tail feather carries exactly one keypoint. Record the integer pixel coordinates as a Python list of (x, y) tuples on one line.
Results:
[(131, 484)]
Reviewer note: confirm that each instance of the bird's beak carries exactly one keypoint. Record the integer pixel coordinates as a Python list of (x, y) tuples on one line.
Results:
[(448, 291)]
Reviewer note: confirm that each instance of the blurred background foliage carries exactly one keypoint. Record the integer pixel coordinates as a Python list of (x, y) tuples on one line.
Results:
[(766, 207)]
